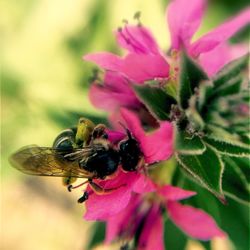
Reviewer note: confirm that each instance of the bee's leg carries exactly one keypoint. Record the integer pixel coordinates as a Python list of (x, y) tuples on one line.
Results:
[(66, 181), (99, 132), (97, 189), (70, 187), (100, 190), (84, 197)]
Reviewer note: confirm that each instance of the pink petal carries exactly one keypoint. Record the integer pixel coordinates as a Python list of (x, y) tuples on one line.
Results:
[(133, 124), (137, 68), (152, 233), (105, 60), (171, 193), (140, 68), (194, 222), (156, 146), (115, 136), (114, 119), (107, 99), (101, 207), (117, 82), (143, 185), (214, 60), (116, 91), (184, 18), (137, 39), (220, 34), (116, 225)]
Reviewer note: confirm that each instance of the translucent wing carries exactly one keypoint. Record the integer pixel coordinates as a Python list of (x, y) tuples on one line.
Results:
[(45, 161)]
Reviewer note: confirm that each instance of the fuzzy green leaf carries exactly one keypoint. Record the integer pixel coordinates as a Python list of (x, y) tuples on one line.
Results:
[(235, 183), (194, 117), (231, 70), (207, 169), (188, 145), (190, 76), (231, 149), (231, 87), (205, 91), (156, 100)]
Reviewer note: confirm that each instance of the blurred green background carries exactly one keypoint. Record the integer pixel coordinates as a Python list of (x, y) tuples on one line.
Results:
[(44, 85)]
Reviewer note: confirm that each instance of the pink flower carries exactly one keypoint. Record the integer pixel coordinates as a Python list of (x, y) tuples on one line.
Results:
[(194, 222), (135, 67), (156, 146), (114, 93), (215, 59), (183, 26), (145, 61)]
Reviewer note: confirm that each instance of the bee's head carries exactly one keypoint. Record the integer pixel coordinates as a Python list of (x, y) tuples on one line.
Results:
[(130, 153)]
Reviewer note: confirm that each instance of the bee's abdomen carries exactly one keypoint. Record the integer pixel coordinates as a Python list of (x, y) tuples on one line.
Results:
[(104, 162)]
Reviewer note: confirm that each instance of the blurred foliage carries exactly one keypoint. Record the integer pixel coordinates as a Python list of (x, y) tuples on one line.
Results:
[(44, 89), (173, 236), (98, 235), (237, 227)]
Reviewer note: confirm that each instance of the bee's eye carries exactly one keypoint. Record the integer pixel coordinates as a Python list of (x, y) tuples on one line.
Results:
[(64, 144), (105, 136), (123, 145), (129, 145), (64, 140)]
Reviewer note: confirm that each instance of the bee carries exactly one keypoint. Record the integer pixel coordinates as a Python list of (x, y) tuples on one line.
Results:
[(80, 152)]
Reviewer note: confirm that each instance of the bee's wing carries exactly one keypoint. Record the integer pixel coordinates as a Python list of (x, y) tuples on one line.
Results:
[(45, 161)]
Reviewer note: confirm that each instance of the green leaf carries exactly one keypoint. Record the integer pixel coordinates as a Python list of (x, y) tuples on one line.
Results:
[(244, 164), (205, 91), (188, 145), (174, 238), (190, 76), (220, 132), (235, 221), (156, 100), (98, 235), (231, 87), (227, 148), (235, 183), (206, 169), (194, 117), (231, 70)]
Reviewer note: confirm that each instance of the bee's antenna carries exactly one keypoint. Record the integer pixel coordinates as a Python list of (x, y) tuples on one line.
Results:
[(126, 129)]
